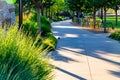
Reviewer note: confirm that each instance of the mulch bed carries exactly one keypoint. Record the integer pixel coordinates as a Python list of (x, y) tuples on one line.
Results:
[(97, 31)]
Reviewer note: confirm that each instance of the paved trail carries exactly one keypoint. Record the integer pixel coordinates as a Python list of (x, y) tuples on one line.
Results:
[(82, 55)]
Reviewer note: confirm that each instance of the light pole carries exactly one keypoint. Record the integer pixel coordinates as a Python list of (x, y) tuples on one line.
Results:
[(20, 14)]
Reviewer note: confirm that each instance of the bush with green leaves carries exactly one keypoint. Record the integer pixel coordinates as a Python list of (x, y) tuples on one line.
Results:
[(42, 18), (45, 23), (108, 25), (20, 59), (61, 18), (30, 27), (45, 29), (115, 35), (50, 41)]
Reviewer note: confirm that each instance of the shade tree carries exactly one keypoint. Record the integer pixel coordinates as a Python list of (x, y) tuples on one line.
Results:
[(115, 4), (94, 5), (38, 6), (76, 6)]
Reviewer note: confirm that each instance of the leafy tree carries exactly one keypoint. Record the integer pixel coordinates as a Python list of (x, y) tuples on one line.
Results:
[(115, 5), (105, 4), (94, 5), (76, 5), (47, 5), (58, 6), (37, 5)]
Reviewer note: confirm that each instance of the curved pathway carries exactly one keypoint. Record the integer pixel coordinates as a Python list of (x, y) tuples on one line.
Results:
[(82, 55)]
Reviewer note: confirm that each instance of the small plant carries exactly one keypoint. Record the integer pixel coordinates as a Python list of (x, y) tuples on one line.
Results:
[(50, 41), (115, 35), (20, 59), (61, 18)]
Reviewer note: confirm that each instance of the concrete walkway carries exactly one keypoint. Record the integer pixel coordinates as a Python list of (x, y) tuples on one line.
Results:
[(82, 55)]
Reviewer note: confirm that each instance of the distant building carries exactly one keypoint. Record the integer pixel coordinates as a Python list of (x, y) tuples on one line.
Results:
[(118, 12)]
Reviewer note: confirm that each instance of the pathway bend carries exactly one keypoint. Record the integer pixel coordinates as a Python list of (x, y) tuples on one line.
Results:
[(82, 55)]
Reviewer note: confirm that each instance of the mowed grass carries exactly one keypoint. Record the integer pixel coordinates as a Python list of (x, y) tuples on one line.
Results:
[(113, 21)]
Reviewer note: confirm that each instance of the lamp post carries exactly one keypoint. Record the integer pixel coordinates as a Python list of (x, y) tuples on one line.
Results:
[(20, 14)]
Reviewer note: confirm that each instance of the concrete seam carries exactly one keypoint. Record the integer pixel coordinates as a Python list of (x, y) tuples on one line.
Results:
[(88, 61)]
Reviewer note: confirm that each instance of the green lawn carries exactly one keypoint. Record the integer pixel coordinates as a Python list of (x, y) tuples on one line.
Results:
[(112, 20)]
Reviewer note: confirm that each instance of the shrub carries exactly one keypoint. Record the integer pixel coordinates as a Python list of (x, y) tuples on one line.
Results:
[(45, 21), (61, 18), (115, 35), (45, 29), (50, 41), (45, 26), (30, 25), (20, 59), (30, 28), (108, 25), (97, 25), (54, 18)]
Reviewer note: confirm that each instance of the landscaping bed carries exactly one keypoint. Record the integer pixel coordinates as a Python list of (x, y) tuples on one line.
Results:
[(115, 35), (21, 59), (47, 37), (23, 52)]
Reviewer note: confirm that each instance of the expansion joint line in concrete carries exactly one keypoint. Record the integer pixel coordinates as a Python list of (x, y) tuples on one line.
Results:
[(88, 61)]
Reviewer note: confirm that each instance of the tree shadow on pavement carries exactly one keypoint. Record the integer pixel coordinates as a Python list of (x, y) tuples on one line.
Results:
[(89, 42), (93, 45), (69, 73), (58, 57), (116, 73)]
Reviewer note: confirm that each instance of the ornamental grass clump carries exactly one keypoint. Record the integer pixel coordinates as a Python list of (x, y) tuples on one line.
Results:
[(20, 59)]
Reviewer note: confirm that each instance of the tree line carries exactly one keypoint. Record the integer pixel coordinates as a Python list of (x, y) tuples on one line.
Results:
[(50, 8), (87, 6), (46, 8)]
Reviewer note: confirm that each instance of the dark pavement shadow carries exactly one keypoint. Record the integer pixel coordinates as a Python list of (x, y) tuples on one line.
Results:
[(116, 73), (58, 57), (85, 40), (70, 73), (80, 41)]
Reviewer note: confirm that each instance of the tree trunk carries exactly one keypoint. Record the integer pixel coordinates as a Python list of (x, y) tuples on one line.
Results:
[(46, 11), (49, 12), (38, 20), (105, 20), (116, 16), (20, 14), (79, 13), (42, 11), (73, 13), (101, 14), (94, 17)]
